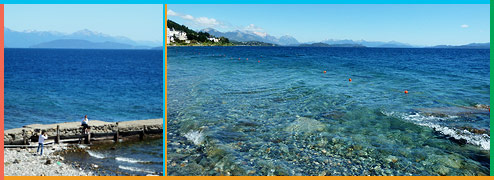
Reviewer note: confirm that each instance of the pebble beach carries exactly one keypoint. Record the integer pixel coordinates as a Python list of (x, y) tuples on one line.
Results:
[(25, 162)]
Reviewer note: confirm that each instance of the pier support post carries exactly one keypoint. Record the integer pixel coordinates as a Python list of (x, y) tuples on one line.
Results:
[(57, 139), (24, 138), (116, 136), (88, 138), (142, 133)]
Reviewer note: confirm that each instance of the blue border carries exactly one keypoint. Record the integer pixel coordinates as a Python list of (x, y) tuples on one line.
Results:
[(245, 2), (327, 2), (82, 2)]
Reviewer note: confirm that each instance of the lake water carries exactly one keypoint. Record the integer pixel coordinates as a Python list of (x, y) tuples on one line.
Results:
[(273, 111), (46, 86)]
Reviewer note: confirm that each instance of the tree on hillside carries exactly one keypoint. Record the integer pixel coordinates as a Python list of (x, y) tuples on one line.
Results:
[(192, 35), (224, 40)]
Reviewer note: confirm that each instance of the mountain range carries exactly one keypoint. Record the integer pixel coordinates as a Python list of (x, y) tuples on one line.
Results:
[(467, 46), (389, 44), (27, 39), (84, 44), (246, 36), (87, 39), (250, 36), (332, 45), (243, 36)]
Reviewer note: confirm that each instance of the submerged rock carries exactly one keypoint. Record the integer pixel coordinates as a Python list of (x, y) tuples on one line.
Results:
[(443, 171), (305, 125), (482, 106), (391, 159), (443, 112)]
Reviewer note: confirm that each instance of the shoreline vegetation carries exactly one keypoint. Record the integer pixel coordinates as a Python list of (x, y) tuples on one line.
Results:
[(180, 35), (234, 43)]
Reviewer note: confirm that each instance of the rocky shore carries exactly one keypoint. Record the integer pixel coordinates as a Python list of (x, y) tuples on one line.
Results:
[(26, 162), (21, 159)]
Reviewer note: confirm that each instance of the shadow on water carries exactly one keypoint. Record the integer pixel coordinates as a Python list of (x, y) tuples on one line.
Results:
[(130, 157)]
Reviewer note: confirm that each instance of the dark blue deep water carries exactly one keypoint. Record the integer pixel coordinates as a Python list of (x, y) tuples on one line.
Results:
[(46, 86), (277, 113)]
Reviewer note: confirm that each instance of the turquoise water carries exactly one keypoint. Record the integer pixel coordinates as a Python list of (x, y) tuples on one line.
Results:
[(277, 113)]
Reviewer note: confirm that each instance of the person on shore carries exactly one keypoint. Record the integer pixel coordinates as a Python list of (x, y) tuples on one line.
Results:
[(85, 125), (41, 140)]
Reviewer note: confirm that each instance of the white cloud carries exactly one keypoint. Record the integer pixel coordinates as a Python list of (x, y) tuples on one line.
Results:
[(207, 21), (256, 30), (188, 17), (262, 34), (171, 13), (252, 27), (464, 26), (200, 21)]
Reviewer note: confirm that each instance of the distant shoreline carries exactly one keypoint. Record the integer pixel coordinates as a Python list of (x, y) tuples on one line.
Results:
[(85, 49), (335, 47), (243, 46)]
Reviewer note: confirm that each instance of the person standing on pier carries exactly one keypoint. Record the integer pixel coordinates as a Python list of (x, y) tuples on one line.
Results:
[(42, 137), (85, 125)]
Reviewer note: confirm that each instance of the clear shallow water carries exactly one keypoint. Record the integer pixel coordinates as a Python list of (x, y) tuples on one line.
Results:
[(124, 158), (277, 113), (49, 86)]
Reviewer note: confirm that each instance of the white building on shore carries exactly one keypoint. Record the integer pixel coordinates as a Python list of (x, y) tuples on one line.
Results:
[(214, 39), (172, 34)]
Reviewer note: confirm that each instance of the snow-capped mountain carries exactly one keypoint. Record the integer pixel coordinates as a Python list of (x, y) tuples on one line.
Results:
[(244, 36), (25, 39), (289, 40)]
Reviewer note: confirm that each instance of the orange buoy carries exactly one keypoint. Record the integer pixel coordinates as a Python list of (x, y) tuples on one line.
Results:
[(247, 59), (406, 92), (324, 72), (350, 79), (258, 61), (238, 58)]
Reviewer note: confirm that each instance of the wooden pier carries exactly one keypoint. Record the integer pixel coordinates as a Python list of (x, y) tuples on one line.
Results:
[(72, 132)]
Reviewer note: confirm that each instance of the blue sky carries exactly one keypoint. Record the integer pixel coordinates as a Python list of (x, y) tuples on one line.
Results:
[(137, 22), (417, 24)]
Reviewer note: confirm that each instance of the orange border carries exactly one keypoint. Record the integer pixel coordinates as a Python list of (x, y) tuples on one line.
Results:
[(248, 177)]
